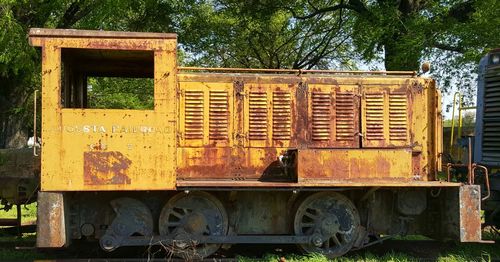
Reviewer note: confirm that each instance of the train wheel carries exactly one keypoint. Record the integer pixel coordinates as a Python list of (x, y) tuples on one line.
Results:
[(331, 219), (195, 213)]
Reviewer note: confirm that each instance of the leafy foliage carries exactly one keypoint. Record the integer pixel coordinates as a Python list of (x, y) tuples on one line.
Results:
[(401, 32), (120, 93), (260, 34)]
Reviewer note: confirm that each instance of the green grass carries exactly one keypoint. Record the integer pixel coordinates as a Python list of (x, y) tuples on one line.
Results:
[(8, 251), (320, 258), (445, 252), (461, 253), (28, 213), (8, 243)]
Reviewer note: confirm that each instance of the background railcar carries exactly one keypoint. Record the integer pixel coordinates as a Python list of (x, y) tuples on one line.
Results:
[(487, 130), (327, 160)]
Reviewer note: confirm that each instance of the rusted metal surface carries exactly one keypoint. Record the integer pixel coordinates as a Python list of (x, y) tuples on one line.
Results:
[(387, 115), (470, 213), (132, 217), (289, 112), (486, 179), (438, 134), (51, 221), (245, 164), (323, 184), (187, 216), (343, 164), (458, 213), (333, 114), (331, 219), (105, 168), (62, 33)]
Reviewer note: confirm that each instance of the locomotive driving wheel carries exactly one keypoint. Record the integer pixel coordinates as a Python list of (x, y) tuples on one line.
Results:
[(331, 219), (186, 216)]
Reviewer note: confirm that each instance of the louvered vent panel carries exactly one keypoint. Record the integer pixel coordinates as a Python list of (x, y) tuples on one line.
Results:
[(491, 118), (218, 115), (281, 115), (193, 119), (374, 116), (344, 116), (398, 116), (321, 114), (257, 116)]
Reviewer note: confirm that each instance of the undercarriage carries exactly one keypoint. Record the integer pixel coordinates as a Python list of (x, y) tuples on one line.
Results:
[(195, 223)]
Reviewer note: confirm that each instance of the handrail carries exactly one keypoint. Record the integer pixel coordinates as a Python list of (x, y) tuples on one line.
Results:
[(35, 137), (460, 118), (471, 171), (295, 71), (486, 177)]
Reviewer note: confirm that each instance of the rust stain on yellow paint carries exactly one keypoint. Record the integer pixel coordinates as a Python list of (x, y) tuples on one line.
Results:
[(105, 168)]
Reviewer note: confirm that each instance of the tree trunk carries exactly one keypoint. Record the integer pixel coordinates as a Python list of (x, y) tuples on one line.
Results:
[(398, 59), (15, 113), (14, 133)]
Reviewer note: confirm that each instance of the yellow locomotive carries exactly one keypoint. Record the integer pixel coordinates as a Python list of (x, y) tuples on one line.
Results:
[(324, 159)]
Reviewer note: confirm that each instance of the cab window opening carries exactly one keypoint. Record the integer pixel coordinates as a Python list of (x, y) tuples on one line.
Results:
[(107, 79)]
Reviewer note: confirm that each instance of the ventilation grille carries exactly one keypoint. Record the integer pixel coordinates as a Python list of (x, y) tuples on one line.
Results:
[(491, 118), (321, 105), (398, 116), (281, 115), (258, 116), (344, 116), (193, 108), (374, 116), (218, 115)]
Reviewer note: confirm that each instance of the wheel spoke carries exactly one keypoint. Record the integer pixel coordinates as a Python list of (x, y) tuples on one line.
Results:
[(326, 244), (198, 213), (177, 214), (336, 240), (323, 213), (310, 215)]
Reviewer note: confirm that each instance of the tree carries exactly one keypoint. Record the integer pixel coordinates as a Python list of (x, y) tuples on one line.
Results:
[(402, 31), (260, 34), (20, 63)]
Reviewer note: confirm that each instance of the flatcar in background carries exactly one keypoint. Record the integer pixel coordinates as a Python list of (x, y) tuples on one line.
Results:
[(19, 182), (327, 160), (487, 131)]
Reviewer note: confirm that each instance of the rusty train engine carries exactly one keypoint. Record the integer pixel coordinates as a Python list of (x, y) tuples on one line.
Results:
[(331, 161)]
